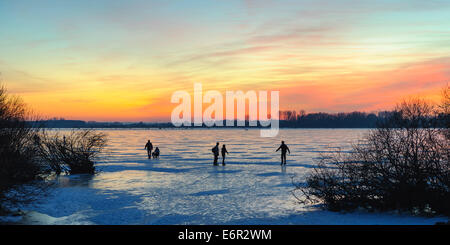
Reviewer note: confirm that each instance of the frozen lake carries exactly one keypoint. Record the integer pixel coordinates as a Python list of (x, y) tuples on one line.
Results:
[(183, 187)]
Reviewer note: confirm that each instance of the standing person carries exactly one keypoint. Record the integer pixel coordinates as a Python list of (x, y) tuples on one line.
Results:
[(215, 150), (224, 151), (149, 147), (283, 148)]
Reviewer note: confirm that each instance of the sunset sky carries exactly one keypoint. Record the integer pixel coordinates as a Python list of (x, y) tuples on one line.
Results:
[(110, 60)]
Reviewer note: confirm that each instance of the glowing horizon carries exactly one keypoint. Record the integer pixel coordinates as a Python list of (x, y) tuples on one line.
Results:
[(122, 60)]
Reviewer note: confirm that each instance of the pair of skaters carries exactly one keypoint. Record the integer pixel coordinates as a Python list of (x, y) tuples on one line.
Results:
[(283, 147), (215, 151), (149, 147)]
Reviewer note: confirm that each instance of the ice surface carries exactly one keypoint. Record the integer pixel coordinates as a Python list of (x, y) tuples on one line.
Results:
[(183, 187)]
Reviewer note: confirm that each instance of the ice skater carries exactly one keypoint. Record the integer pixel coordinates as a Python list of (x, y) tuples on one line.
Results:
[(215, 151), (149, 147), (224, 151), (283, 148)]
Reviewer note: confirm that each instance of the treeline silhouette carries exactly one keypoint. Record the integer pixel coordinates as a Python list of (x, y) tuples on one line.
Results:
[(291, 119), (288, 119)]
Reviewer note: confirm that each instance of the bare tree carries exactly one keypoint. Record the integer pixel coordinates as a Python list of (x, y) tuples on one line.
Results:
[(445, 111), (18, 164)]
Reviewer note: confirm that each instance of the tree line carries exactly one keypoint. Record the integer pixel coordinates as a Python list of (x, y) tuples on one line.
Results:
[(288, 119)]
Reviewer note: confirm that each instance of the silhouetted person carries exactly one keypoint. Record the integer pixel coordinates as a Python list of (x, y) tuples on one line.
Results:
[(215, 151), (149, 147), (283, 148), (224, 151), (155, 154)]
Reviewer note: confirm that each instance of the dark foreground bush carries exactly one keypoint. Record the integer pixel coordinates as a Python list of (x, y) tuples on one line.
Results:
[(18, 163), (401, 165), (29, 154), (74, 153)]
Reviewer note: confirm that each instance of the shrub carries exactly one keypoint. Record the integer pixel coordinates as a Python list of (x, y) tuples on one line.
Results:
[(403, 164), (74, 153), (28, 153)]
